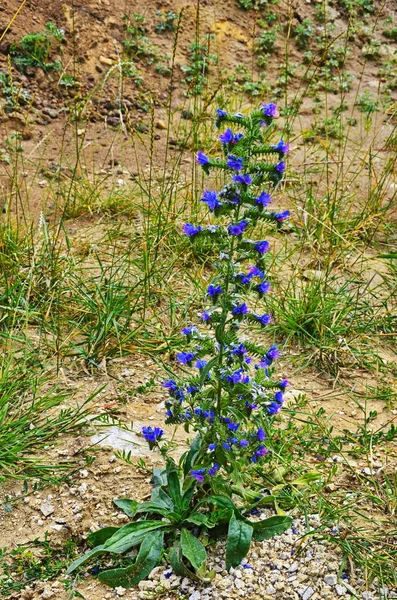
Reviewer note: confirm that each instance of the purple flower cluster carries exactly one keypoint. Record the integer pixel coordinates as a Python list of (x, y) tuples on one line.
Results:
[(226, 399)]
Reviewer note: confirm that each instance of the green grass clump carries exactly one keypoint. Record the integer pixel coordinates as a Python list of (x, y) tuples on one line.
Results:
[(34, 49)]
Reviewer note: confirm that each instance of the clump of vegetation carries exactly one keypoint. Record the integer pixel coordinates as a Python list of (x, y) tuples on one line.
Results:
[(34, 49), (15, 95), (303, 34), (265, 44), (198, 68), (137, 44), (166, 22)]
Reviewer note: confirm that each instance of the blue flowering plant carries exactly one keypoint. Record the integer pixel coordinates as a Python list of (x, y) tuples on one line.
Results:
[(228, 395)]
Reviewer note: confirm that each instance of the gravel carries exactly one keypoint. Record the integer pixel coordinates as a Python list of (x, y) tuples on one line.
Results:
[(273, 569)]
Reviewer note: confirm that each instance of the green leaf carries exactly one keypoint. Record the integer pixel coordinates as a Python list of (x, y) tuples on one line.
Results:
[(263, 530), (200, 519), (238, 541), (159, 496), (131, 535), (193, 549), (96, 538), (189, 457), (159, 476), (79, 561), (187, 497), (148, 557), (177, 564), (222, 502), (153, 507), (174, 488), (129, 507), (211, 363)]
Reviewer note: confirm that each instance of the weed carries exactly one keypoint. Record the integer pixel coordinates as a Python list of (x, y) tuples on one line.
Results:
[(197, 70), (167, 21), (303, 33), (137, 44), (34, 49)]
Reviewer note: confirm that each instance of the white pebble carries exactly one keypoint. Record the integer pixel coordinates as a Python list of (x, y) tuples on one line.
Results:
[(307, 593), (195, 596), (120, 591), (331, 579), (340, 589)]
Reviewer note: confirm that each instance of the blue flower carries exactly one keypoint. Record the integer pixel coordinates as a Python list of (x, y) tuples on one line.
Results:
[(189, 330), (210, 415), (212, 447), (226, 137), (273, 353), (170, 384), (238, 228), (280, 217), (211, 199), (246, 179), (192, 389), (240, 309), (263, 319), (261, 451), (238, 376), (214, 469), (202, 159), (244, 279), (280, 167), (273, 408), (191, 230), (226, 446), (261, 435), (239, 350), (169, 413), (262, 247), (221, 113), (235, 162), (205, 316), (233, 426), (263, 199), (281, 147), (270, 110), (200, 364), (278, 397), (263, 287), (185, 358), (256, 272), (283, 384), (214, 290), (250, 405), (198, 474), (152, 435), (244, 443)]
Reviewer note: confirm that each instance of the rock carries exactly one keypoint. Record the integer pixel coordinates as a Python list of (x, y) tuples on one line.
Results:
[(46, 509), (340, 589), (307, 593), (331, 579), (195, 596), (120, 591), (113, 121), (51, 112), (47, 592), (83, 473), (105, 61), (271, 590), (239, 584), (294, 567)]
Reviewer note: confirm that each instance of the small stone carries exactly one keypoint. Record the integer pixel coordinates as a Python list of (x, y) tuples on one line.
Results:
[(120, 591), (47, 592), (307, 593), (340, 589), (367, 596), (271, 590), (239, 584), (83, 473), (331, 579), (367, 471), (294, 567), (105, 61), (195, 596), (46, 509)]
